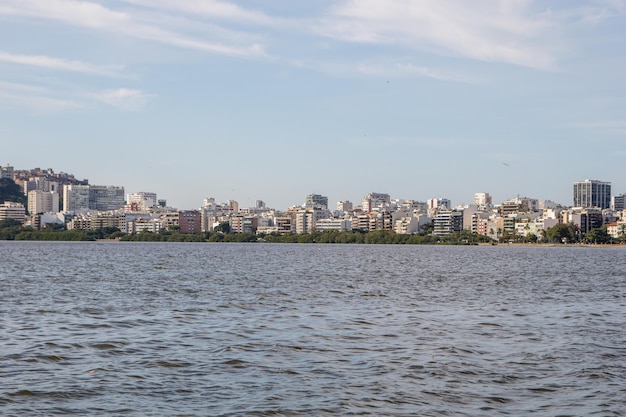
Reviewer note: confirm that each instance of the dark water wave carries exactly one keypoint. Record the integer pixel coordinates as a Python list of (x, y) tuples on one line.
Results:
[(282, 330)]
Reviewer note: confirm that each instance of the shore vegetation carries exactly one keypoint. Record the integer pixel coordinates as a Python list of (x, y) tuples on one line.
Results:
[(560, 234)]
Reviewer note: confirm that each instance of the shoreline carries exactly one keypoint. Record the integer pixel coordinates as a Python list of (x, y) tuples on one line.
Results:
[(559, 245)]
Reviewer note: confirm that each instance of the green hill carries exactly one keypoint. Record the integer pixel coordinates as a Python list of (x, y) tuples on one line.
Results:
[(10, 191)]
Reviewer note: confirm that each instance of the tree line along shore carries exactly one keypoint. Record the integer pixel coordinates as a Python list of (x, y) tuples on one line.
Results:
[(560, 234)]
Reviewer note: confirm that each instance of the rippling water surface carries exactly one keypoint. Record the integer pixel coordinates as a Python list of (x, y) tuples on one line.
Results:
[(147, 329)]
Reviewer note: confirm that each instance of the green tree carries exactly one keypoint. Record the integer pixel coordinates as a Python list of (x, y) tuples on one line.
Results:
[(598, 235), (223, 227), (9, 228), (562, 233)]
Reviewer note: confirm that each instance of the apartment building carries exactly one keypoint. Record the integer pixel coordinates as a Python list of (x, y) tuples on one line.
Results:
[(587, 219), (447, 222), (407, 225), (340, 225), (189, 221), (316, 200), (43, 202), (141, 201), (285, 225), (13, 211), (617, 202), (75, 197), (592, 193), (99, 220), (375, 201), (144, 225), (345, 206), (106, 197), (483, 199)]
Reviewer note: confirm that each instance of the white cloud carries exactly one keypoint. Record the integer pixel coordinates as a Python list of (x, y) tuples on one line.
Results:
[(404, 69), (124, 98), (508, 31), (615, 127), (209, 8), (58, 64), (95, 16), (19, 95), (10, 86), (382, 68)]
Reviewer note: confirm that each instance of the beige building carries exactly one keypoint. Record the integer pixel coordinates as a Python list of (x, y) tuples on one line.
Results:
[(482, 199), (43, 202), (141, 201), (14, 211)]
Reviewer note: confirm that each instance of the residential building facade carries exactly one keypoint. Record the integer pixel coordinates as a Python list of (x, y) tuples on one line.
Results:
[(43, 202), (75, 197), (592, 193), (106, 197), (13, 211)]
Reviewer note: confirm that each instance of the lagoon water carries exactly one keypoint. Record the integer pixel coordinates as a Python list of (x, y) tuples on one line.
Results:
[(154, 329)]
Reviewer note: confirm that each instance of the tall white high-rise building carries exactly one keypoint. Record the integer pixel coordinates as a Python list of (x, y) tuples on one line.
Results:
[(75, 197), (43, 202), (592, 193)]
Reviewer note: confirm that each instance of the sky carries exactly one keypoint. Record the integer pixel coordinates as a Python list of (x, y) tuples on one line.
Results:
[(276, 99)]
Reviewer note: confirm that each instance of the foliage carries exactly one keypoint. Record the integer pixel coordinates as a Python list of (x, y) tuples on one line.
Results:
[(377, 237), (598, 235), (223, 227), (164, 236), (9, 223), (562, 233), (9, 228), (10, 191), (65, 235)]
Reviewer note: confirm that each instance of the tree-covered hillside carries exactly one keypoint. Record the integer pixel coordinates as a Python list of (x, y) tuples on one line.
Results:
[(10, 191)]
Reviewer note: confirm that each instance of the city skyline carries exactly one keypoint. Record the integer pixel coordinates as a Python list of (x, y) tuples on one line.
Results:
[(249, 100), (122, 194)]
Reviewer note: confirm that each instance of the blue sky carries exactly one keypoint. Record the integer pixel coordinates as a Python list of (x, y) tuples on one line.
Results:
[(277, 99)]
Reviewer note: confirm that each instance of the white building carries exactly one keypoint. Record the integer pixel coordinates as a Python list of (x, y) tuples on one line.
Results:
[(616, 229), (14, 211), (341, 225), (142, 200), (144, 225), (51, 218), (75, 197), (447, 222), (482, 199), (407, 225), (374, 201), (43, 202), (344, 206)]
